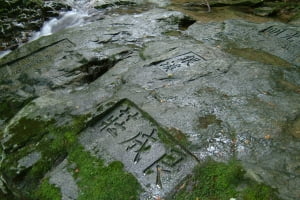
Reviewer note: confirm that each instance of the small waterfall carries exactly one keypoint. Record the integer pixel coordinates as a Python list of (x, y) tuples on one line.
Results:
[(81, 11), (65, 20)]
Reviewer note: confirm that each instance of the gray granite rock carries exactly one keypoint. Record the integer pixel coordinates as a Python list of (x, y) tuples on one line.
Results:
[(274, 38), (63, 179), (138, 87)]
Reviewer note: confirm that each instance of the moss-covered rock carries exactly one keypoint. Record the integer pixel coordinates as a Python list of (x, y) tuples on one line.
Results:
[(32, 146), (97, 181), (214, 180)]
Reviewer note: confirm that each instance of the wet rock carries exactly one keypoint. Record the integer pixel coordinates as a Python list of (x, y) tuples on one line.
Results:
[(159, 103), (62, 178), (100, 4), (264, 11), (274, 38), (234, 2)]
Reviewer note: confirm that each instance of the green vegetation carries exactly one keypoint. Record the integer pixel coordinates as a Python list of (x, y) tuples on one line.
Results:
[(27, 129), (46, 137), (10, 106), (207, 120), (22, 3), (259, 192), (213, 180), (179, 136), (97, 181), (47, 191), (219, 181)]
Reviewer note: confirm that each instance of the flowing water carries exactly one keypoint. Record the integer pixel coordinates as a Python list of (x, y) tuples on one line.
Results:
[(82, 12)]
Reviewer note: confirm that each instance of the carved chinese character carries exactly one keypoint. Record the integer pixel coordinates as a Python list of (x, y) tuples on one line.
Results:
[(140, 142), (274, 30), (170, 66), (164, 164), (189, 59), (128, 114), (107, 122), (291, 35)]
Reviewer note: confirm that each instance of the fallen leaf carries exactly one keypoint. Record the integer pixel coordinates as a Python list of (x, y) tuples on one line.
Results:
[(182, 186), (267, 137)]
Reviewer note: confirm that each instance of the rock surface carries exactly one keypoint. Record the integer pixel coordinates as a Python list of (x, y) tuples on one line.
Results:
[(131, 90)]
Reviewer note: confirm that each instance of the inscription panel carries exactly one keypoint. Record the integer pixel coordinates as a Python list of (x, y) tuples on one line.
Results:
[(127, 135), (37, 59), (282, 33), (180, 62)]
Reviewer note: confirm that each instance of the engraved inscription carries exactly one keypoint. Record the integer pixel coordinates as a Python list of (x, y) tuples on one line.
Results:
[(279, 32), (37, 59), (140, 143), (129, 136), (180, 62)]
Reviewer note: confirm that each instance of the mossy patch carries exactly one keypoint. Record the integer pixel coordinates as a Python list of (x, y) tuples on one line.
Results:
[(207, 120), (288, 86), (25, 130), (259, 56), (173, 33), (53, 146), (293, 127), (259, 192), (212, 180), (10, 106), (97, 181), (219, 181), (47, 191), (284, 83), (179, 136)]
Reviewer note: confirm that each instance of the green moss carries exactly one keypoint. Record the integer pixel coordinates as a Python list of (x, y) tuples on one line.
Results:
[(54, 146), (213, 180), (179, 136), (97, 181), (10, 106), (207, 120), (259, 192), (47, 191), (26, 130), (219, 181), (53, 149)]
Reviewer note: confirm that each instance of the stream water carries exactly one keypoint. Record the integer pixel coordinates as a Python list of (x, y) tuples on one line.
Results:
[(82, 12)]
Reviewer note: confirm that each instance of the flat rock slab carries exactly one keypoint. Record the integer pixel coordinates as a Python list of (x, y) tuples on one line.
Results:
[(139, 87), (275, 38), (126, 134)]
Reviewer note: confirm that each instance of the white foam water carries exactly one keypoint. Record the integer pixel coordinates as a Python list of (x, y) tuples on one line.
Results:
[(82, 11), (66, 20)]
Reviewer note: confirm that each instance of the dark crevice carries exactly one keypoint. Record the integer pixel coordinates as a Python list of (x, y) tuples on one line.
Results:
[(185, 23), (95, 68)]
